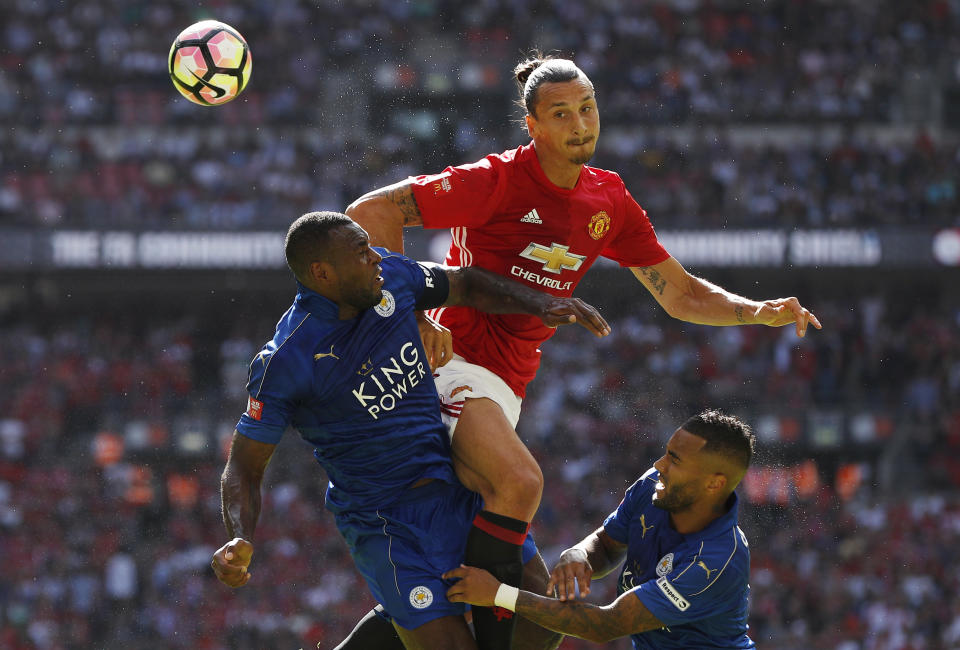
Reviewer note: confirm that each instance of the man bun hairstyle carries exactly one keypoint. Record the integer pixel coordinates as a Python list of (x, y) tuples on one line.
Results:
[(539, 69), (726, 435), (308, 240)]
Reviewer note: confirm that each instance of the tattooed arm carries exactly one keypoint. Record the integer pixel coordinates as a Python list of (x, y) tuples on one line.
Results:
[(695, 300), (384, 213), (624, 616)]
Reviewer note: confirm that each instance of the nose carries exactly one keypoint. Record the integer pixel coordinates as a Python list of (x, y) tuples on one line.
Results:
[(375, 257), (661, 464), (578, 124)]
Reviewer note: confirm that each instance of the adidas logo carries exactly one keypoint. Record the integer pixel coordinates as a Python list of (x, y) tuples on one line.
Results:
[(531, 217)]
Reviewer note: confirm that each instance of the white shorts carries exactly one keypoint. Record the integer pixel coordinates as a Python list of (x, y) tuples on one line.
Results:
[(460, 379)]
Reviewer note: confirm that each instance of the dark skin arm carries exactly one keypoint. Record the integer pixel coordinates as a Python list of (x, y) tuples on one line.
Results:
[(600, 624), (240, 499), (485, 291), (596, 555)]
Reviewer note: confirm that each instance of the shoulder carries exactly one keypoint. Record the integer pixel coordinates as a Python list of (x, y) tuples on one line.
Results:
[(639, 494), (604, 177), (282, 358), (399, 267)]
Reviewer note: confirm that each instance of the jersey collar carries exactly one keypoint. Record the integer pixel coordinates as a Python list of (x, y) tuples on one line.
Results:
[(722, 523), (319, 306)]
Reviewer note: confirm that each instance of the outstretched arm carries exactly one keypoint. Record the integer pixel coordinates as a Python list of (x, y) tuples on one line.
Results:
[(486, 291), (240, 499), (600, 624), (692, 299), (384, 213)]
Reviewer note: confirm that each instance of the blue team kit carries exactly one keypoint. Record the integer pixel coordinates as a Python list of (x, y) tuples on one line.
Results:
[(696, 584), (362, 393)]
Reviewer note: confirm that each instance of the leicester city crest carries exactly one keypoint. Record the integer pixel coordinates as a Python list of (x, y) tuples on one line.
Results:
[(421, 597), (387, 305), (665, 565)]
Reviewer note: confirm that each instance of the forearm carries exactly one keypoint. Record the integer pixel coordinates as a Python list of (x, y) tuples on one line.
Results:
[(695, 300), (488, 292), (573, 618), (709, 304), (240, 501)]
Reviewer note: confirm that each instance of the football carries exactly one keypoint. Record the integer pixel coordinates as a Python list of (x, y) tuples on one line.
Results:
[(210, 63)]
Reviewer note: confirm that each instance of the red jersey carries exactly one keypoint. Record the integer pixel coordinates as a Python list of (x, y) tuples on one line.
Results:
[(507, 217)]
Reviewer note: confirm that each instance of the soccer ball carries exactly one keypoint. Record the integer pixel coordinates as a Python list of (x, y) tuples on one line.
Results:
[(210, 63)]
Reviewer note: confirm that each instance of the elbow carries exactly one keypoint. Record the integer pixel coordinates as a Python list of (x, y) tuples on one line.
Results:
[(358, 208), (676, 308)]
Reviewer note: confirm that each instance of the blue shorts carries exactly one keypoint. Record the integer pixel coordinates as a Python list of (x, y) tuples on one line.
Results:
[(402, 550)]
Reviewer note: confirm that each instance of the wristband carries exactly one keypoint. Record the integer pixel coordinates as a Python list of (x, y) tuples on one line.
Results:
[(507, 597)]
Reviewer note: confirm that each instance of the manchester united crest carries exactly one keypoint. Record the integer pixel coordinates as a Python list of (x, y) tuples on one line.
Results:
[(599, 225)]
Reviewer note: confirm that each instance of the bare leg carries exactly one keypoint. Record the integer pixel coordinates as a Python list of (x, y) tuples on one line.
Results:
[(490, 459), (449, 632)]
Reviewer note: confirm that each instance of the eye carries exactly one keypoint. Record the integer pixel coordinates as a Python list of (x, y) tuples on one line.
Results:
[(559, 115), (587, 109)]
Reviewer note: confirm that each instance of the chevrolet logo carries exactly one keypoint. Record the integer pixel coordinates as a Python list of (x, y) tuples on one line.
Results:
[(555, 258)]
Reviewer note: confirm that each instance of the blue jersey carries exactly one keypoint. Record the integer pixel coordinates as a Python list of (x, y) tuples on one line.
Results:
[(696, 584), (359, 390)]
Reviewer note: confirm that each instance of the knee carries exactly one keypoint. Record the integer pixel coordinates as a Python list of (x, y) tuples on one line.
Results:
[(524, 481)]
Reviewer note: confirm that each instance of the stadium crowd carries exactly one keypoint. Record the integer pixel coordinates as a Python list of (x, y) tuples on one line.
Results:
[(379, 88), (115, 427)]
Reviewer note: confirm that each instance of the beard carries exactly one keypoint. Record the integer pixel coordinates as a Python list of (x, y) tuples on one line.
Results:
[(676, 498), (361, 300), (584, 157)]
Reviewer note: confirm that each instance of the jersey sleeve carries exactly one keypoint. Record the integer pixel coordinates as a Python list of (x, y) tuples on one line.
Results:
[(428, 280), (465, 195), (636, 244), (272, 390), (699, 586)]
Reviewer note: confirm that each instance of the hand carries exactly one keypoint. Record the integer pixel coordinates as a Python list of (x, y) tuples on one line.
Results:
[(475, 586), (437, 341), (783, 311), (231, 560), (561, 311), (573, 564)]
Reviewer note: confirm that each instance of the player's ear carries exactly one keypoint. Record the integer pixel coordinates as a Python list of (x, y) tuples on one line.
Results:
[(322, 272), (717, 482), (531, 123)]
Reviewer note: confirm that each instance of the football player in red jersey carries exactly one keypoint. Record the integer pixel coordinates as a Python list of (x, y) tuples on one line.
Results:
[(540, 214)]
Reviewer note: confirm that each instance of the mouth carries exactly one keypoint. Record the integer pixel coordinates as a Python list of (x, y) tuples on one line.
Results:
[(378, 280), (659, 487), (580, 143)]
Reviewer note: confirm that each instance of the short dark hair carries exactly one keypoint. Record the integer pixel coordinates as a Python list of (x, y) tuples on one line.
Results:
[(726, 435), (308, 240), (539, 69)]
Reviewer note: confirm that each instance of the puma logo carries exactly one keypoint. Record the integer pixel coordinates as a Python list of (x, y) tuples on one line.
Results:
[(321, 355), (643, 524), (708, 570)]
